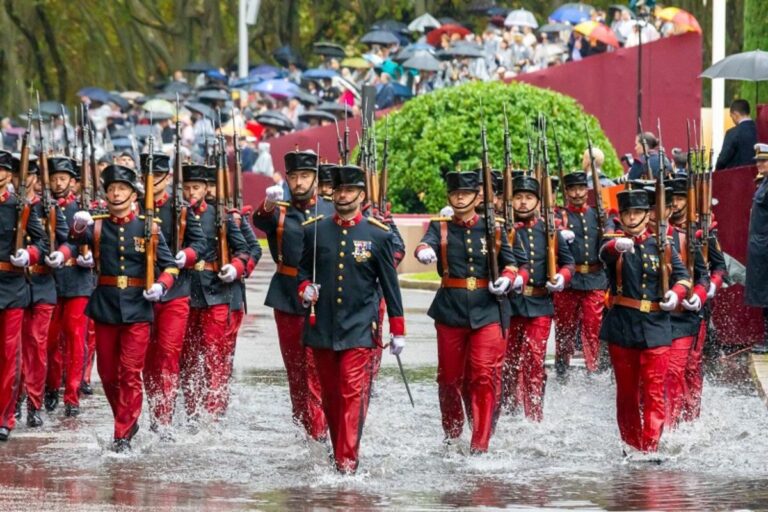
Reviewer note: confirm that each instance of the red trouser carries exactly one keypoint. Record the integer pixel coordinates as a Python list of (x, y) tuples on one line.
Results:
[(640, 371), (90, 351), (574, 309), (303, 382), (205, 360), (161, 371), (377, 352), (34, 345), (675, 385), (694, 376), (345, 382), (524, 375), (121, 350), (10, 364), (469, 365), (67, 329)]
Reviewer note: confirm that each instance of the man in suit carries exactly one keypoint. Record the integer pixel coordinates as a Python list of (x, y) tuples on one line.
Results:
[(739, 142)]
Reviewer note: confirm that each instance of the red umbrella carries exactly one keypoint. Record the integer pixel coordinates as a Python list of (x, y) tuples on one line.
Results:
[(435, 36), (597, 31)]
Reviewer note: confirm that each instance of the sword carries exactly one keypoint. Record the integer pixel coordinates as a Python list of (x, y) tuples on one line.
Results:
[(312, 316), (405, 380)]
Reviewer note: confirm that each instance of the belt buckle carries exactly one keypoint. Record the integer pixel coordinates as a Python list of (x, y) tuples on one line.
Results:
[(645, 306), (200, 265), (471, 283), (584, 269), (122, 282), (528, 291)]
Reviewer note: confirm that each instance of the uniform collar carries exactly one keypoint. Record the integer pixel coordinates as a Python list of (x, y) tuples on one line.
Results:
[(528, 223), (347, 223), (466, 223), (576, 209), (122, 220), (66, 200), (163, 199), (4, 196), (642, 237), (200, 207)]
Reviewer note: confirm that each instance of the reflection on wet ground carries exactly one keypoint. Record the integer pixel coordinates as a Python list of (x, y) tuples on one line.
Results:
[(255, 458)]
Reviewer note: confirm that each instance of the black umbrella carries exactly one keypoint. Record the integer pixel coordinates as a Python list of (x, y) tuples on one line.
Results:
[(423, 61), (381, 37), (285, 56), (198, 67), (95, 94), (201, 108), (183, 88), (275, 119), (213, 95), (463, 50), (320, 115), (406, 52), (328, 49), (306, 97), (391, 26), (48, 109), (118, 100), (749, 66), (554, 27), (141, 131), (336, 109)]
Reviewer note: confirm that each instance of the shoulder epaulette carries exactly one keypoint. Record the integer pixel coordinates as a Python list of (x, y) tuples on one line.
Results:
[(613, 235), (440, 219), (500, 220), (283, 203), (100, 216), (313, 219), (156, 220), (378, 224)]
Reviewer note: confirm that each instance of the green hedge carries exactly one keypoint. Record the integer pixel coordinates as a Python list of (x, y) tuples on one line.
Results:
[(755, 38), (442, 129)]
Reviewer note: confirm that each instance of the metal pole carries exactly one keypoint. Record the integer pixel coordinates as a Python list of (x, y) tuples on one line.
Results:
[(718, 84), (639, 116), (242, 40)]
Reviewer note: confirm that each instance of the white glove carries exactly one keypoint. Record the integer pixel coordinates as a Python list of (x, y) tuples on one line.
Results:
[(81, 221), (55, 259), (500, 286), (670, 301), (426, 256), (181, 259), (228, 273), (568, 235), (517, 285), (712, 290), (274, 193), (21, 258), (311, 294), (558, 285), (155, 292), (447, 211), (624, 245), (692, 304), (396, 345), (86, 261)]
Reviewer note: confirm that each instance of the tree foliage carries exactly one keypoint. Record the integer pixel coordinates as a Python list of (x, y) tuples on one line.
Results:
[(755, 38), (434, 133)]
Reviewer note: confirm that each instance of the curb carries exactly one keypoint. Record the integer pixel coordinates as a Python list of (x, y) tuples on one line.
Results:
[(414, 284), (758, 369)]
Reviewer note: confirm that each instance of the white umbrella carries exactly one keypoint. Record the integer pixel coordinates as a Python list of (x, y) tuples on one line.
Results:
[(521, 18), (423, 22)]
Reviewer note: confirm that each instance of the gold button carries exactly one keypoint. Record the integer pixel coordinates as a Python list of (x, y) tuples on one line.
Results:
[(468, 231), (306, 212), (530, 237), (340, 278), (645, 296), (339, 288), (469, 240), (343, 243), (341, 265), (338, 301), (343, 231), (122, 229), (122, 248), (530, 230), (122, 267), (471, 269), (122, 238), (197, 217), (471, 260), (469, 249), (533, 253), (341, 254), (122, 258), (645, 265)]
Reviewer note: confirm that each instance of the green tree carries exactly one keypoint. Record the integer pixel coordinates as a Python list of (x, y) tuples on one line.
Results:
[(755, 38), (437, 132)]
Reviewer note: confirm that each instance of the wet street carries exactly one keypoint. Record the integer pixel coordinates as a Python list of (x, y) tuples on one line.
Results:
[(255, 459)]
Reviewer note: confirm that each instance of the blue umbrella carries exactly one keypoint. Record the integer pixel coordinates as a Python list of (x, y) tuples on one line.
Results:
[(318, 73), (95, 94), (265, 72), (572, 13), (276, 87), (402, 91)]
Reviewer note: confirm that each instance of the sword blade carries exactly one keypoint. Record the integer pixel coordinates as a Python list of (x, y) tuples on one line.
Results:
[(405, 380)]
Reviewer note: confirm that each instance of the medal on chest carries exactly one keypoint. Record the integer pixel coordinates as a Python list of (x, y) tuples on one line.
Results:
[(362, 250)]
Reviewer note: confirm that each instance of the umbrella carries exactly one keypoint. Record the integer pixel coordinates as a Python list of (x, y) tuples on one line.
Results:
[(201, 108), (265, 72), (391, 26), (447, 21), (319, 74), (683, 20), (114, 97), (306, 97), (276, 87), (337, 109), (497, 11), (275, 119), (320, 115), (51, 109), (131, 95), (96, 94), (198, 67), (380, 37), (182, 88), (423, 22), (402, 91), (468, 50), (572, 13), (597, 31), (435, 36), (423, 61), (750, 66), (482, 6), (160, 107), (409, 51), (213, 95), (285, 56), (355, 63), (329, 50), (520, 18), (141, 131), (555, 27), (342, 83)]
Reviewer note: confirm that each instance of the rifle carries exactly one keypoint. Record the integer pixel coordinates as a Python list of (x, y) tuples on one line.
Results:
[(237, 183), (647, 172), (489, 215), (86, 197), (530, 147), (221, 206), (49, 205), (373, 180), (384, 175), (339, 143), (548, 205), (67, 150), (538, 171), (179, 225), (96, 189), (346, 137), (661, 222), (509, 210), (706, 206), (597, 188), (150, 240), (24, 208), (559, 165), (312, 315)]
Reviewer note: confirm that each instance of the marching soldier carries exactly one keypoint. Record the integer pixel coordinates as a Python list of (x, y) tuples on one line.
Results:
[(205, 357), (756, 293), (580, 307), (15, 296), (469, 311), (121, 304), (532, 306), (282, 222), (345, 257), (161, 371), (637, 326), (74, 285)]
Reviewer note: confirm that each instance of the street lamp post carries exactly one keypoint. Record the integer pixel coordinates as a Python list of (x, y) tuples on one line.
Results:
[(718, 84)]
